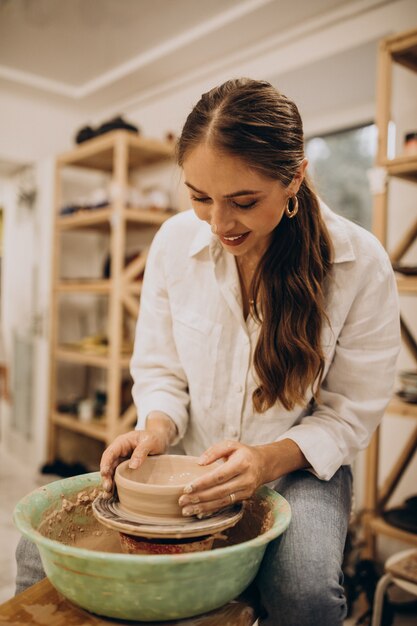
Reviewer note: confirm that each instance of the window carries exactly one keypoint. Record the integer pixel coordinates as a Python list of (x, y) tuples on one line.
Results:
[(338, 165)]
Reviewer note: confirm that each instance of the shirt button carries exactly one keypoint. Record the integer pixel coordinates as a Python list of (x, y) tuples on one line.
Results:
[(233, 432), (238, 388)]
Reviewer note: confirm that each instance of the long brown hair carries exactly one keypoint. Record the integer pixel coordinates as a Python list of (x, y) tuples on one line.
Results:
[(254, 122)]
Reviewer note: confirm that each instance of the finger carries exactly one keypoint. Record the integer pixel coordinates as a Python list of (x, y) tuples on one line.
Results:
[(218, 451), (219, 475), (207, 508), (139, 454), (216, 493), (146, 445), (120, 448)]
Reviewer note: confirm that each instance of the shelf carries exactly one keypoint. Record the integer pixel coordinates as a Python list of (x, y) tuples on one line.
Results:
[(93, 218), (379, 526), (406, 284), (154, 217), (84, 286), (403, 49), (403, 167), (73, 355), (98, 153), (95, 428), (85, 219), (399, 407), (116, 155)]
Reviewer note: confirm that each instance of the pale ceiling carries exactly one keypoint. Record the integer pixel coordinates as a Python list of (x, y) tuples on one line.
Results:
[(81, 49)]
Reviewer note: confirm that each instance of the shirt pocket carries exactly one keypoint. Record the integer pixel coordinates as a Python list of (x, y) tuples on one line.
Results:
[(197, 341)]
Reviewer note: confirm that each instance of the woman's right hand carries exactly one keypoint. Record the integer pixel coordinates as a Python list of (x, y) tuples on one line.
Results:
[(136, 444)]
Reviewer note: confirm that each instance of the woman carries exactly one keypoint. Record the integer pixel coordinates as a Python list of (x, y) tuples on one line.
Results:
[(269, 341), (268, 334)]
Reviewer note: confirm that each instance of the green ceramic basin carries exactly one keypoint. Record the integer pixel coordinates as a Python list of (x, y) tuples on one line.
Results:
[(144, 587)]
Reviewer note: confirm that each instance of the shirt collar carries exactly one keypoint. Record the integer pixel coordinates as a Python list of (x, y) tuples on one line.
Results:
[(343, 249), (204, 238)]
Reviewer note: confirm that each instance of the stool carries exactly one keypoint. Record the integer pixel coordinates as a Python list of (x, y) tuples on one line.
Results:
[(401, 569), (42, 604)]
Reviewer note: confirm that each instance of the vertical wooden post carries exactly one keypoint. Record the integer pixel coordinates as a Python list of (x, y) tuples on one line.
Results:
[(117, 248), (379, 228), (383, 99), (53, 319)]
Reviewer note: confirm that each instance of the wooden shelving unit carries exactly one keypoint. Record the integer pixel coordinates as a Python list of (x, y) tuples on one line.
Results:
[(399, 49), (118, 153)]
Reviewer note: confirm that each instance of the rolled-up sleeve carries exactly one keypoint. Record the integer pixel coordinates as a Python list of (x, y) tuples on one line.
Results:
[(360, 379), (159, 382)]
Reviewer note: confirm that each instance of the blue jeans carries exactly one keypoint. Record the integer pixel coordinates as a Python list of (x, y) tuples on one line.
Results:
[(300, 579)]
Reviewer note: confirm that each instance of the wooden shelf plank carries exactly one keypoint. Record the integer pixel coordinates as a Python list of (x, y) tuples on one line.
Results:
[(380, 526), (95, 428), (81, 358), (406, 284), (85, 219), (399, 407), (97, 153), (403, 48), (84, 286), (154, 217), (74, 355), (96, 218), (404, 166)]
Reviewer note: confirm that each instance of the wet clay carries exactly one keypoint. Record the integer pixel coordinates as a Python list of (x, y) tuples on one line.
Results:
[(74, 524)]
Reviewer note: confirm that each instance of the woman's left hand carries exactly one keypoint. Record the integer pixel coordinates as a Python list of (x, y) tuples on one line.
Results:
[(232, 481)]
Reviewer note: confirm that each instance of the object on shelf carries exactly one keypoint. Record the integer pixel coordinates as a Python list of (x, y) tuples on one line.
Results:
[(407, 270), (408, 391), (170, 136), (100, 403), (85, 410), (91, 344), (97, 199), (404, 517), (96, 345), (410, 143), (116, 123), (69, 407), (66, 470), (156, 198), (135, 198), (407, 396), (128, 259), (405, 568)]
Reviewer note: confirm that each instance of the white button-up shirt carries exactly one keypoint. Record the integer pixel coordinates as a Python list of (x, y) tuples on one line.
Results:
[(194, 350)]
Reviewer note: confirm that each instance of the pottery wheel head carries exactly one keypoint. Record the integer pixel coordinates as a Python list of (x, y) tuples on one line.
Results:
[(109, 513)]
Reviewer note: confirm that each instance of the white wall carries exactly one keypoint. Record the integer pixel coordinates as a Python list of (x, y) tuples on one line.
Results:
[(25, 302), (33, 126)]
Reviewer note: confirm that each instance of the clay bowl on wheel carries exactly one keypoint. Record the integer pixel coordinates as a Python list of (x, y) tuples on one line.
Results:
[(153, 489), (142, 587)]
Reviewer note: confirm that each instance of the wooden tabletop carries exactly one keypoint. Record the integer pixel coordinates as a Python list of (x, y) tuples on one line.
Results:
[(42, 605)]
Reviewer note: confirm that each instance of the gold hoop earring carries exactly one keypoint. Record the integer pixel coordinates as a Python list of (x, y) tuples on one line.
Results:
[(291, 213)]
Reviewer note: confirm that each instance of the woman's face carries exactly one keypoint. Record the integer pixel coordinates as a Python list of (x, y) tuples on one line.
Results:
[(241, 205)]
